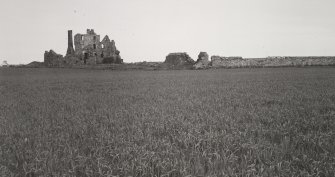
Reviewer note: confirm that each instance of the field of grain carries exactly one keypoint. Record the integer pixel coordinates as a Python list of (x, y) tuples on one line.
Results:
[(225, 122)]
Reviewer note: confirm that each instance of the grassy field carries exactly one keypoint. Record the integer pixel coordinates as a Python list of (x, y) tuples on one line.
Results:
[(225, 122)]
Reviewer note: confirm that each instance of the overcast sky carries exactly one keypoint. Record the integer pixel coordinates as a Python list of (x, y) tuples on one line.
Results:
[(147, 30)]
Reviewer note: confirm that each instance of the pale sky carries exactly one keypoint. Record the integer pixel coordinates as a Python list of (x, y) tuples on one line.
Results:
[(147, 30)]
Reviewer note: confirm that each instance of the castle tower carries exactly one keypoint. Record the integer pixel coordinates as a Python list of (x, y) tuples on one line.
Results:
[(70, 50)]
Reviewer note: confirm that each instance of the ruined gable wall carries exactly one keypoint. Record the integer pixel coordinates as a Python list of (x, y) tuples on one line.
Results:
[(106, 47), (109, 48), (110, 53)]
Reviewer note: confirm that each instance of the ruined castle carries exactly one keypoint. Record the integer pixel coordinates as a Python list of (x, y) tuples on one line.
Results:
[(88, 49)]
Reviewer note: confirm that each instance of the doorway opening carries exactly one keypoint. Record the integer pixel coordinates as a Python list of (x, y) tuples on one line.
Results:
[(85, 57)]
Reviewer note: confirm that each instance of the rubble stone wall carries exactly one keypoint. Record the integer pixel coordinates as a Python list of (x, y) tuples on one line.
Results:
[(235, 62), (202, 61), (178, 59), (51, 58)]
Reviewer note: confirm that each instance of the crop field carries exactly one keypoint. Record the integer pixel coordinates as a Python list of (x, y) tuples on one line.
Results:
[(224, 122)]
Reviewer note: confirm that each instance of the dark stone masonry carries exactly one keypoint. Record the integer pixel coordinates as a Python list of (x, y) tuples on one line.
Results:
[(179, 59), (51, 58), (88, 50)]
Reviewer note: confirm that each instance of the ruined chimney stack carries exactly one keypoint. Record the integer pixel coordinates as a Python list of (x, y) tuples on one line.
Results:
[(70, 40), (70, 50)]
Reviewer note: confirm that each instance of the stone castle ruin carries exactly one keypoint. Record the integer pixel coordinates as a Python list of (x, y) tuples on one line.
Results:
[(88, 49)]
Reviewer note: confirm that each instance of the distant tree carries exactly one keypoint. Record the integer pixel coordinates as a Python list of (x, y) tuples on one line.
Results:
[(4, 63)]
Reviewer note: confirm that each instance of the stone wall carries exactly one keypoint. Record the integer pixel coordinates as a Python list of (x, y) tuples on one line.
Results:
[(72, 60), (179, 59), (228, 62), (51, 58), (202, 61), (112, 59), (235, 62)]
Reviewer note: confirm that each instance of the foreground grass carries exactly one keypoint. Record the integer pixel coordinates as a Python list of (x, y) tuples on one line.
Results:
[(237, 122)]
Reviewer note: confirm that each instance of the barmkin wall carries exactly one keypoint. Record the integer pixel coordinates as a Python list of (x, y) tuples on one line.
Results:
[(236, 62)]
